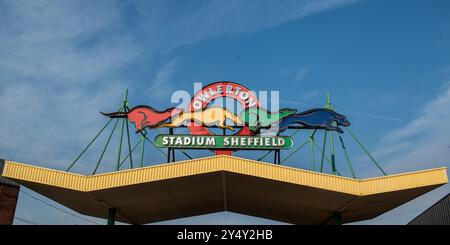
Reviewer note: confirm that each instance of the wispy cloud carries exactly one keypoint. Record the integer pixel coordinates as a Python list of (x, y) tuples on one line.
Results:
[(424, 135), (60, 43), (302, 73), (161, 86), (432, 119), (204, 19)]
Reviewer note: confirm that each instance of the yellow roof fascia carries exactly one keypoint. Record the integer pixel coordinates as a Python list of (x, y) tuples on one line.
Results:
[(357, 187)]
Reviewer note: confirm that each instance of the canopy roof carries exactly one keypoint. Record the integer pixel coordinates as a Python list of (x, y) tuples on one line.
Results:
[(225, 183)]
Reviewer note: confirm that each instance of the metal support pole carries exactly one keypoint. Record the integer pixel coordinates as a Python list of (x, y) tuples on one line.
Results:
[(90, 143), (173, 155), (169, 150), (129, 142), (169, 154), (311, 146), (119, 151), (323, 150), (142, 151), (347, 157), (338, 218), (365, 150), (276, 157), (333, 161), (121, 131), (132, 150), (111, 216), (279, 157), (104, 148), (173, 150), (325, 157)]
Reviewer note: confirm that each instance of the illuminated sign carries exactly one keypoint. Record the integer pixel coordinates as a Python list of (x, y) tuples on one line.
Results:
[(200, 116)]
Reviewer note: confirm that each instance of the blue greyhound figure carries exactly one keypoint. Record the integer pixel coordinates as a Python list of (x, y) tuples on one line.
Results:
[(318, 118)]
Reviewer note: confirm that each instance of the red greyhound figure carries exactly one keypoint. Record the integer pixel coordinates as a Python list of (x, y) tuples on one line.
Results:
[(145, 116)]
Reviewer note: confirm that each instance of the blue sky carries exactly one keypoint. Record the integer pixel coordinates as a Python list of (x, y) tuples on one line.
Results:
[(385, 63)]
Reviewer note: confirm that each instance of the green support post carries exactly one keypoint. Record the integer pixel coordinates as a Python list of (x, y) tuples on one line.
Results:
[(323, 150), (111, 216), (120, 145), (121, 132), (333, 161), (347, 157), (90, 143), (277, 157), (365, 150), (106, 146), (142, 151), (132, 150), (338, 218), (311, 146), (325, 157), (128, 138)]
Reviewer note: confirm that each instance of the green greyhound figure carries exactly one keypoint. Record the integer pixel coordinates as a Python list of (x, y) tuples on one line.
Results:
[(257, 118)]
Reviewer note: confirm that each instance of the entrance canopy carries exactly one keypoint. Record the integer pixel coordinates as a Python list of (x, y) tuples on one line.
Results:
[(225, 183)]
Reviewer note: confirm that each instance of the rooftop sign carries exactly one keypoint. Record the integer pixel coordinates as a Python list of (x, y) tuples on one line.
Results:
[(202, 114)]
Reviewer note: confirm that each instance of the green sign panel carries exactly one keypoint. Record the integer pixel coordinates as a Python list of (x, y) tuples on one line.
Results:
[(223, 142)]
